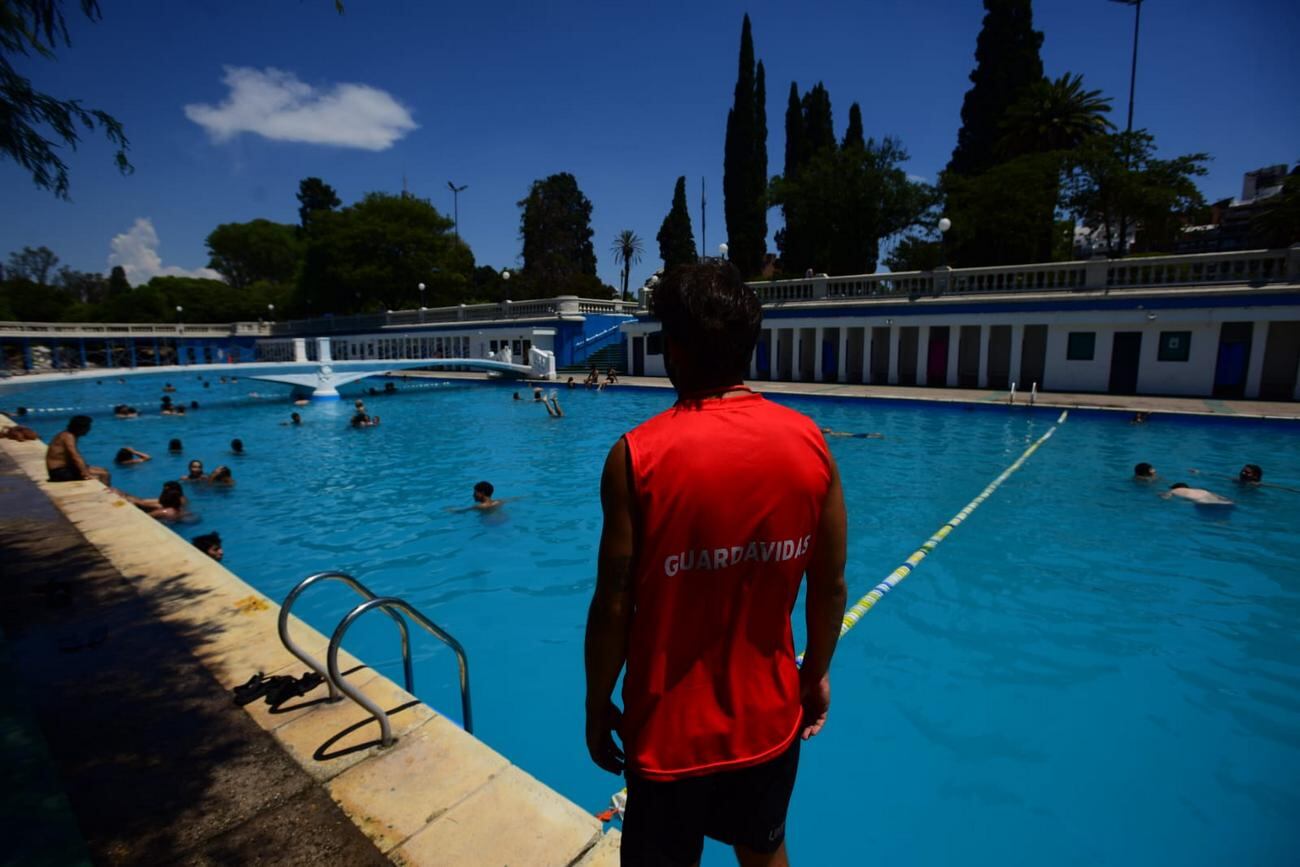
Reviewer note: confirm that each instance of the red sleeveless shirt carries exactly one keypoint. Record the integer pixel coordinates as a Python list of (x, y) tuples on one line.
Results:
[(730, 493)]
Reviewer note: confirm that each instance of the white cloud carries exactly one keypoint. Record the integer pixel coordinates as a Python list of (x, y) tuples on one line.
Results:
[(137, 252), (276, 105), (918, 179)]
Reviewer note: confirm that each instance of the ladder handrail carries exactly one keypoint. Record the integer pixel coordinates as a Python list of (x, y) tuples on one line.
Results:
[(311, 662), (388, 603)]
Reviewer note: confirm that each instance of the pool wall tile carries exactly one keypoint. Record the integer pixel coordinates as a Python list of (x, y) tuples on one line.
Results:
[(436, 796)]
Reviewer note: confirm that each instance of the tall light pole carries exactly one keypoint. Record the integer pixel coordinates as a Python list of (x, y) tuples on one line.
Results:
[(944, 225), (1128, 129), (455, 206), (505, 275), (421, 288)]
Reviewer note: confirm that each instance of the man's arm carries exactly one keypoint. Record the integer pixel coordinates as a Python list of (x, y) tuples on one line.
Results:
[(824, 605), (610, 616)]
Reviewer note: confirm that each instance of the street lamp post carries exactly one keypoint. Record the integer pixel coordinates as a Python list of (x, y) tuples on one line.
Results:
[(1128, 129), (421, 288), (455, 206), (505, 275), (270, 312), (722, 250), (944, 225)]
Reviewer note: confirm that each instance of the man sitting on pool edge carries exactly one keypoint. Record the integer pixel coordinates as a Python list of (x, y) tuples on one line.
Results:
[(63, 460)]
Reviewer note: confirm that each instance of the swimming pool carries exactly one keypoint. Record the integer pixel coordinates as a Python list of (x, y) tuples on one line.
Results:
[(1082, 673)]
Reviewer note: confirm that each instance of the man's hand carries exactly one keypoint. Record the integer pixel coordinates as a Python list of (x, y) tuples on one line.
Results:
[(601, 725), (816, 699)]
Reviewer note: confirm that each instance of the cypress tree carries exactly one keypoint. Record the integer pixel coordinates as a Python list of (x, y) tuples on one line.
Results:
[(744, 162), (676, 239), (1006, 62), (853, 136), (819, 126), (796, 148), (759, 178)]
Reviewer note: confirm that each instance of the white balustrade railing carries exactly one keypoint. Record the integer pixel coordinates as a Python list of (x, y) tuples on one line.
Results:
[(131, 329)]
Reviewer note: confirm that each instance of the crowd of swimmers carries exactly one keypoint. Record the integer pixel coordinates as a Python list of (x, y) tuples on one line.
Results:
[(1251, 475)]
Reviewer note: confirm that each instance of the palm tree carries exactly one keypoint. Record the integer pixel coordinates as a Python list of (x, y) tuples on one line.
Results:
[(627, 248), (1054, 116)]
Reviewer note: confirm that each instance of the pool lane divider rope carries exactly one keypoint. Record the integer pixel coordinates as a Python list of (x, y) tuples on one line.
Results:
[(851, 617), (875, 594)]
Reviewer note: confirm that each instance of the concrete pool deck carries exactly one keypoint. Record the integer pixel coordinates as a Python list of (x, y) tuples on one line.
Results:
[(128, 640), (1203, 406)]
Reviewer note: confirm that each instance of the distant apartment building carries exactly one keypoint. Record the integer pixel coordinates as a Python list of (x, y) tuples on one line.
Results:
[(1229, 227)]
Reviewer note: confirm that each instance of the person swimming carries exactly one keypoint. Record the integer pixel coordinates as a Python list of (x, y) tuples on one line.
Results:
[(195, 473), (222, 476), (483, 500), (237, 446), (1198, 496), (126, 456), (1144, 472), (174, 447), (210, 544), (831, 432)]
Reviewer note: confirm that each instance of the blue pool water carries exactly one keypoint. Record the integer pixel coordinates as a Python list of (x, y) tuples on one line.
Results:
[(1083, 673)]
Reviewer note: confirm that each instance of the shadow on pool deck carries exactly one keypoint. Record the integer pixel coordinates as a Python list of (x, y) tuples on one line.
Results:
[(155, 760)]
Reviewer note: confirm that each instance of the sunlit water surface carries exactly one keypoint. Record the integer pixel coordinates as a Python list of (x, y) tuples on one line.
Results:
[(1083, 673)]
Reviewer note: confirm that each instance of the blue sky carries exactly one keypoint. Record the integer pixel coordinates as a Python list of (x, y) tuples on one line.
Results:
[(625, 96)]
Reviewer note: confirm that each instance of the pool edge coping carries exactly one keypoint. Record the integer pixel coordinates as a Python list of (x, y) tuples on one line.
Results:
[(478, 801)]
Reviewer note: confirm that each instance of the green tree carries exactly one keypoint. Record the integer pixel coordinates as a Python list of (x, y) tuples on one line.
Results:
[(1110, 179), (810, 132), (245, 253), (315, 196), (1054, 116), (744, 167), (627, 248), (676, 239), (915, 253), (850, 199), (374, 255), (853, 136), (33, 124), (1006, 62), (32, 263), (555, 227), (85, 287), (117, 283), (1003, 216)]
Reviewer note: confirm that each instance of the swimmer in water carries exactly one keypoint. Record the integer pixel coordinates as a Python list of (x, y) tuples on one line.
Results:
[(1144, 472), (830, 432), (127, 455), (195, 473), (1199, 496), (553, 406)]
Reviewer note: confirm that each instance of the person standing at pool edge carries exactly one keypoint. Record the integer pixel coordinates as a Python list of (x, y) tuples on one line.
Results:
[(713, 512)]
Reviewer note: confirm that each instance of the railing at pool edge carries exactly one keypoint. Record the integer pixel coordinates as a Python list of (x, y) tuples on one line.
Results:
[(311, 662), (388, 603)]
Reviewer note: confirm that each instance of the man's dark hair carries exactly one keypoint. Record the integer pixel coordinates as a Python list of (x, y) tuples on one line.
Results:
[(484, 488), (123, 456), (207, 541), (170, 498), (1256, 473), (79, 425), (710, 313), (1142, 469), (174, 445), (1176, 485), (236, 445)]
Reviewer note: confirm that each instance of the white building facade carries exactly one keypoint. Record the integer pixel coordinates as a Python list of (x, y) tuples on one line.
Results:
[(1221, 325)]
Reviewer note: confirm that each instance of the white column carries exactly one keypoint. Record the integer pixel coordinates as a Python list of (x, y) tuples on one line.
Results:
[(323, 350), (818, 336), (954, 346), (842, 358), (1255, 368), (893, 355), (1017, 350), (986, 333), (923, 356)]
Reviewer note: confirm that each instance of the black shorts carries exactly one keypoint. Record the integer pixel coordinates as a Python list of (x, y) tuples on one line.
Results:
[(65, 474), (666, 822)]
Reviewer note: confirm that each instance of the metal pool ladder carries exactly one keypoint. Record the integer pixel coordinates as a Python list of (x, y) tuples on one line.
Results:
[(394, 608)]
